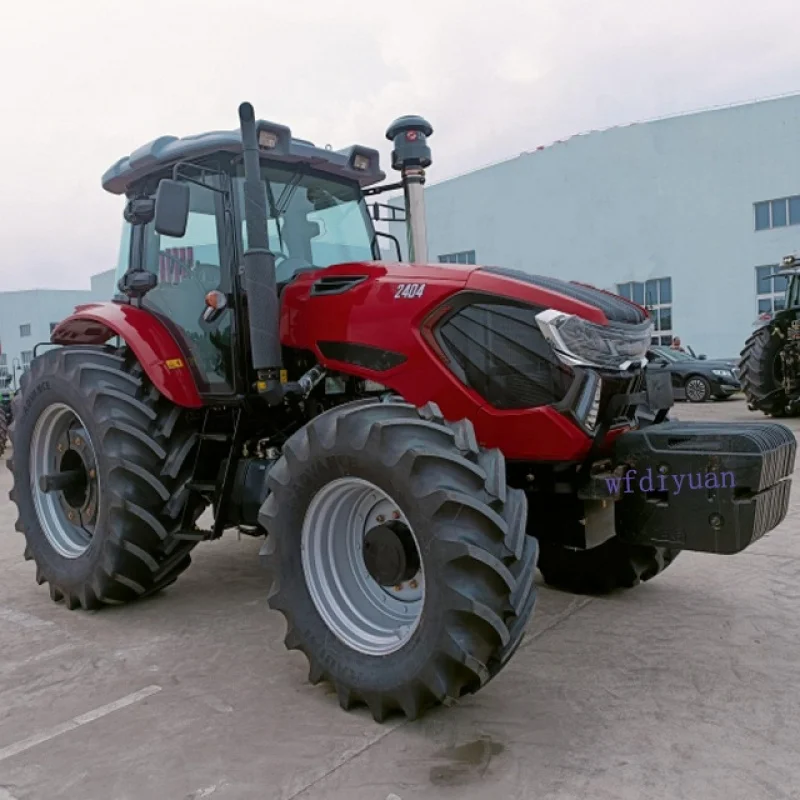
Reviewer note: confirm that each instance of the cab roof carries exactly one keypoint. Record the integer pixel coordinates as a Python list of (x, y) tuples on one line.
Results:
[(169, 150)]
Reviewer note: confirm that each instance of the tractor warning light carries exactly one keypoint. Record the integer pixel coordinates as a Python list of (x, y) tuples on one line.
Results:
[(361, 162), (267, 139)]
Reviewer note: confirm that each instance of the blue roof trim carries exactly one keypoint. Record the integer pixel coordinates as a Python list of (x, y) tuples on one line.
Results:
[(168, 150)]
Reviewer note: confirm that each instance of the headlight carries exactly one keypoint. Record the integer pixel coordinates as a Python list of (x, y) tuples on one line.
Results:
[(582, 343), (722, 373)]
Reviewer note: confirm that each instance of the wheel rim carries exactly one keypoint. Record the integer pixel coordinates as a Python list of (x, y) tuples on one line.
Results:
[(347, 522), (62, 450), (695, 390)]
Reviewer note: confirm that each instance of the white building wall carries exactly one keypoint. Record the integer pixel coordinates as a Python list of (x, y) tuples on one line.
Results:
[(671, 198), (38, 309)]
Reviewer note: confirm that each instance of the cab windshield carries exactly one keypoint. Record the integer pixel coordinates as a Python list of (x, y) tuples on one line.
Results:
[(314, 222)]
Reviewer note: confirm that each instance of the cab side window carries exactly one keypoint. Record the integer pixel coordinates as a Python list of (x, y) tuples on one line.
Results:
[(187, 268)]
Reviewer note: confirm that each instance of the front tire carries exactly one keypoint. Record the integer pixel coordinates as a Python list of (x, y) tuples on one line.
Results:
[(603, 569), (459, 618), (113, 534)]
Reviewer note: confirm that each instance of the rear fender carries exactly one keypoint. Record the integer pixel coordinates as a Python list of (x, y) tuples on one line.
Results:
[(153, 345)]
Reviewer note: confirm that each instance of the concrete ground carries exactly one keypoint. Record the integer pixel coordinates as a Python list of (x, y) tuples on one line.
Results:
[(686, 687)]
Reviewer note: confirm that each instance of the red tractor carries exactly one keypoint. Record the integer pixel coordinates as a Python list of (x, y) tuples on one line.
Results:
[(409, 439)]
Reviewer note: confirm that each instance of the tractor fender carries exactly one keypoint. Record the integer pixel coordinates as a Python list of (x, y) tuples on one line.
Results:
[(153, 345)]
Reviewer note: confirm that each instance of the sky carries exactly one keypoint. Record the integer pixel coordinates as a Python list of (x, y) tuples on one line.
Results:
[(86, 82)]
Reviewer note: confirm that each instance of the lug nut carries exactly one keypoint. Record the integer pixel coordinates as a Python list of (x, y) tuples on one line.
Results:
[(413, 583), (92, 473), (395, 515), (381, 518), (77, 442), (399, 587)]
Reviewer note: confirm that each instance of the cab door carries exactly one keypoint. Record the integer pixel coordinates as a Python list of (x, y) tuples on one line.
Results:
[(187, 269)]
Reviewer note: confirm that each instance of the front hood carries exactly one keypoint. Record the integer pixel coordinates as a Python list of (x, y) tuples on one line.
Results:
[(614, 307)]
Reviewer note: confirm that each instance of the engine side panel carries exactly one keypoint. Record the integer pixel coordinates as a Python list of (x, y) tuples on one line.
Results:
[(386, 310)]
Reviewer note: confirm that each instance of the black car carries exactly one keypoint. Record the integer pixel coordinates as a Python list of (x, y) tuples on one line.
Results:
[(700, 378)]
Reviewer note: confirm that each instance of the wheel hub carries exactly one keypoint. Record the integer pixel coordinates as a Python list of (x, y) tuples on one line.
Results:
[(390, 554), (362, 566), (64, 481), (76, 479)]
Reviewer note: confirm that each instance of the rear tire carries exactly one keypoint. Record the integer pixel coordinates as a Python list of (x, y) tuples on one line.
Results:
[(601, 570), (760, 371), (477, 564), (120, 540)]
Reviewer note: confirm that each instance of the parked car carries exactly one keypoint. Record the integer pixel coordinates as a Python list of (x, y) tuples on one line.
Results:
[(700, 378)]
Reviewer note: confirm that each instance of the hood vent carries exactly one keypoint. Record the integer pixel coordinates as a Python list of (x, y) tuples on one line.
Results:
[(336, 284)]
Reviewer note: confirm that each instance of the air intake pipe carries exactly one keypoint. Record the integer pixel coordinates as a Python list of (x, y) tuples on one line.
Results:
[(410, 156)]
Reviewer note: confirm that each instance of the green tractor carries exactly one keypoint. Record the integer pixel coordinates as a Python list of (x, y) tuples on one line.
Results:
[(770, 360)]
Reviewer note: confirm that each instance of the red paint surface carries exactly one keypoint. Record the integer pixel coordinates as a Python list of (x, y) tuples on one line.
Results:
[(152, 344), (369, 314)]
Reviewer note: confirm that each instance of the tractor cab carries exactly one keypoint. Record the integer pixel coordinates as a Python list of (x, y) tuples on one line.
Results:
[(186, 229)]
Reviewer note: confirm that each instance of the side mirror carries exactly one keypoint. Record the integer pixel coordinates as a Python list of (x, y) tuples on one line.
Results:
[(172, 208), (702, 357)]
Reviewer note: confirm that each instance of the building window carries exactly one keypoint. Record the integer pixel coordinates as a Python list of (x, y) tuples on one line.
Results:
[(770, 292), (464, 257), (656, 296), (25, 330), (4, 360), (53, 326), (27, 357), (777, 213)]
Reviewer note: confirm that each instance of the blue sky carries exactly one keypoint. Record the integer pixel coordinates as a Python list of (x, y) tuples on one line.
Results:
[(87, 82)]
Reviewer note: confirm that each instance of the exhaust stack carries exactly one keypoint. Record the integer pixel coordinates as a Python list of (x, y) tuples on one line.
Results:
[(259, 269), (411, 156)]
